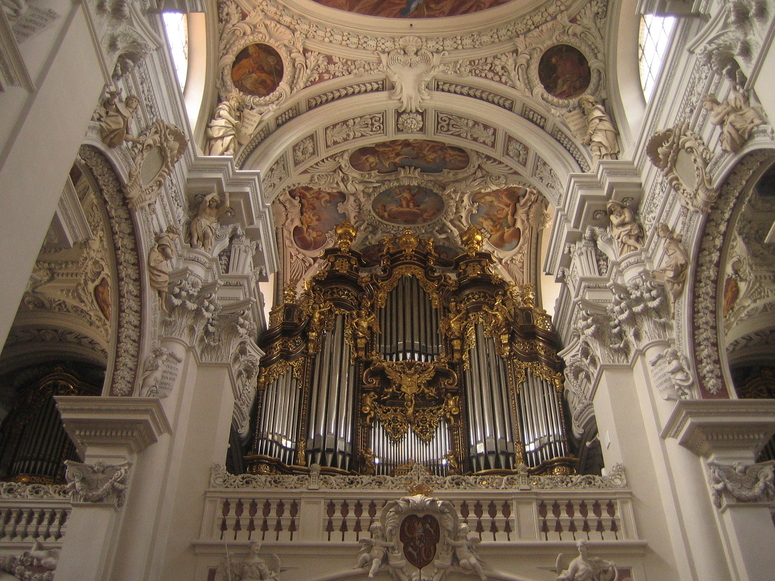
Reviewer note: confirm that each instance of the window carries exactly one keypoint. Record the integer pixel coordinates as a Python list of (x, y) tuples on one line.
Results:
[(655, 34), (177, 35)]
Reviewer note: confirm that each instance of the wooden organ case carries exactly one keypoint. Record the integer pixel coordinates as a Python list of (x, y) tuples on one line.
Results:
[(416, 360)]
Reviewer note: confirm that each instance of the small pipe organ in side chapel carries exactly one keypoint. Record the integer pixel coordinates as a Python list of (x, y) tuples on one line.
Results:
[(417, 360)]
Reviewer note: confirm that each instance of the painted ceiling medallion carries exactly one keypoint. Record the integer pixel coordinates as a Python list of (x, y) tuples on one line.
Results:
[(564, 71), (408, 205), (412, 8), (428, 156), (257, 70)]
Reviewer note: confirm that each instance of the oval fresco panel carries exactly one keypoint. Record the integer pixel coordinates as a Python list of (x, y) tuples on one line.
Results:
[(257, 70), (564, 71), (428, 156), (501, 214), (408, 205), (412, 8), (319, 214)]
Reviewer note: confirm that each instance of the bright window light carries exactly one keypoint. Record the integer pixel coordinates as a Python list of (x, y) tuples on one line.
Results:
[(655, 34), (177, 34)]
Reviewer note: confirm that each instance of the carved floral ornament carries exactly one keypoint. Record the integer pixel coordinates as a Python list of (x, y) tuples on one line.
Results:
[(682, 157)]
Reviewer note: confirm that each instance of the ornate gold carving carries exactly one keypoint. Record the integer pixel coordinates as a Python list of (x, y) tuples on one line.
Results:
[(408, 241), (362, 325), (345, 234), (431, 287), (472, 238), (272, 372), (368, 407)]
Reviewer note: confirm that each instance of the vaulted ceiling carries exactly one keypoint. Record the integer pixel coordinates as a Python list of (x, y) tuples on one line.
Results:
[(428, 115)]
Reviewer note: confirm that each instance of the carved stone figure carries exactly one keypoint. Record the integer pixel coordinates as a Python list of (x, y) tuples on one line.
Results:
[(466, 556), (205, 222), (741, 482), (674, 365), (585, 568), (158, 263), (410, 70), (255, 568), (48, 558), (601, 133), (374, 551), (673, 272), (624, 228), (97, 483), (152, 377), (115, 118), (736, 117), (222, 129)]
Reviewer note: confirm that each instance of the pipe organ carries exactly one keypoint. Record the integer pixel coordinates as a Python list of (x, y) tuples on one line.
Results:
[(419, 359)]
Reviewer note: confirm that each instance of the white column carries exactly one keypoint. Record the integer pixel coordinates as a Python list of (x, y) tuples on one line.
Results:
[(112, 430), (729, 432)]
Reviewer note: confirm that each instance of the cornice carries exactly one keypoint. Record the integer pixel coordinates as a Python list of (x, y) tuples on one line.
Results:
[(710, 426), (133, 423)]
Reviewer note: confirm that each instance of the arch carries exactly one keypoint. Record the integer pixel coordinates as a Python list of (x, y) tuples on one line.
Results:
[(122, 367), (707, 307)]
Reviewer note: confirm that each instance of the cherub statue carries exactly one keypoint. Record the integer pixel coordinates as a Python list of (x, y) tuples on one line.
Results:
[(115, 117), (584, 567), (466, 557), (373, 554), (205, 222), (601, 133), (158, 263), (222, 129), (624, 228)]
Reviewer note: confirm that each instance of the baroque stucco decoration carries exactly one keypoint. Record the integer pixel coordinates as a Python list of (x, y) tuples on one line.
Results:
[(160, 148), (410, 68), (682, 157), (98, 482), (742, 482), (419, 532), (127, 261)]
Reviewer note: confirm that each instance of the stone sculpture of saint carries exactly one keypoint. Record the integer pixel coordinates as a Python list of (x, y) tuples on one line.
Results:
[(601, 133), (205, 223), (115, 118), (736, 117), (624, 228), (158, 262), (222, 129), (673, 272)]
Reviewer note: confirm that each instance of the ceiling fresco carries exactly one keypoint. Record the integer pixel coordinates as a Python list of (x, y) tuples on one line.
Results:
[(318, 214), (428, 156), (408, 205), (412, 8)]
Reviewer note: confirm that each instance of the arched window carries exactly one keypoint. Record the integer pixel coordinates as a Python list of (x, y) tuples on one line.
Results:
[(177, 36), (654, 40)]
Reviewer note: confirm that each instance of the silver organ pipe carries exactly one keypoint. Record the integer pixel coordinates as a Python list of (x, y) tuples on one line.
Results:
[(329, 440), (541, 421), (390, 454), (409, 324), (281, 405), (491, 426)]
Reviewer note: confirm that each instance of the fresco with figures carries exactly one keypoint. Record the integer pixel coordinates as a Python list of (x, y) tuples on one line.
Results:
[(427, 156), (319, 213), (564, 72), (504, 214), (257, 70), (412, 8), (408, 205)]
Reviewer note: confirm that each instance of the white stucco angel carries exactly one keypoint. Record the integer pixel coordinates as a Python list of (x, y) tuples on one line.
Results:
[(410, 68), (373, 553), (465, 555), (584, 567)]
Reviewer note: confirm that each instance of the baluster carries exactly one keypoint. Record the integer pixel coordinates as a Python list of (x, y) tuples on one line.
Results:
[(492, 511), (237, 522), (265, 512), (278, 527), (330, 512), (358, 513), (344, 511), (252, 511), (294, 511), (506, 511), (225, 510)]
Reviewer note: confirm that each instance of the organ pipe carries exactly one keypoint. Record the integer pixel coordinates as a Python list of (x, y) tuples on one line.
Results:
[(429, 361)]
